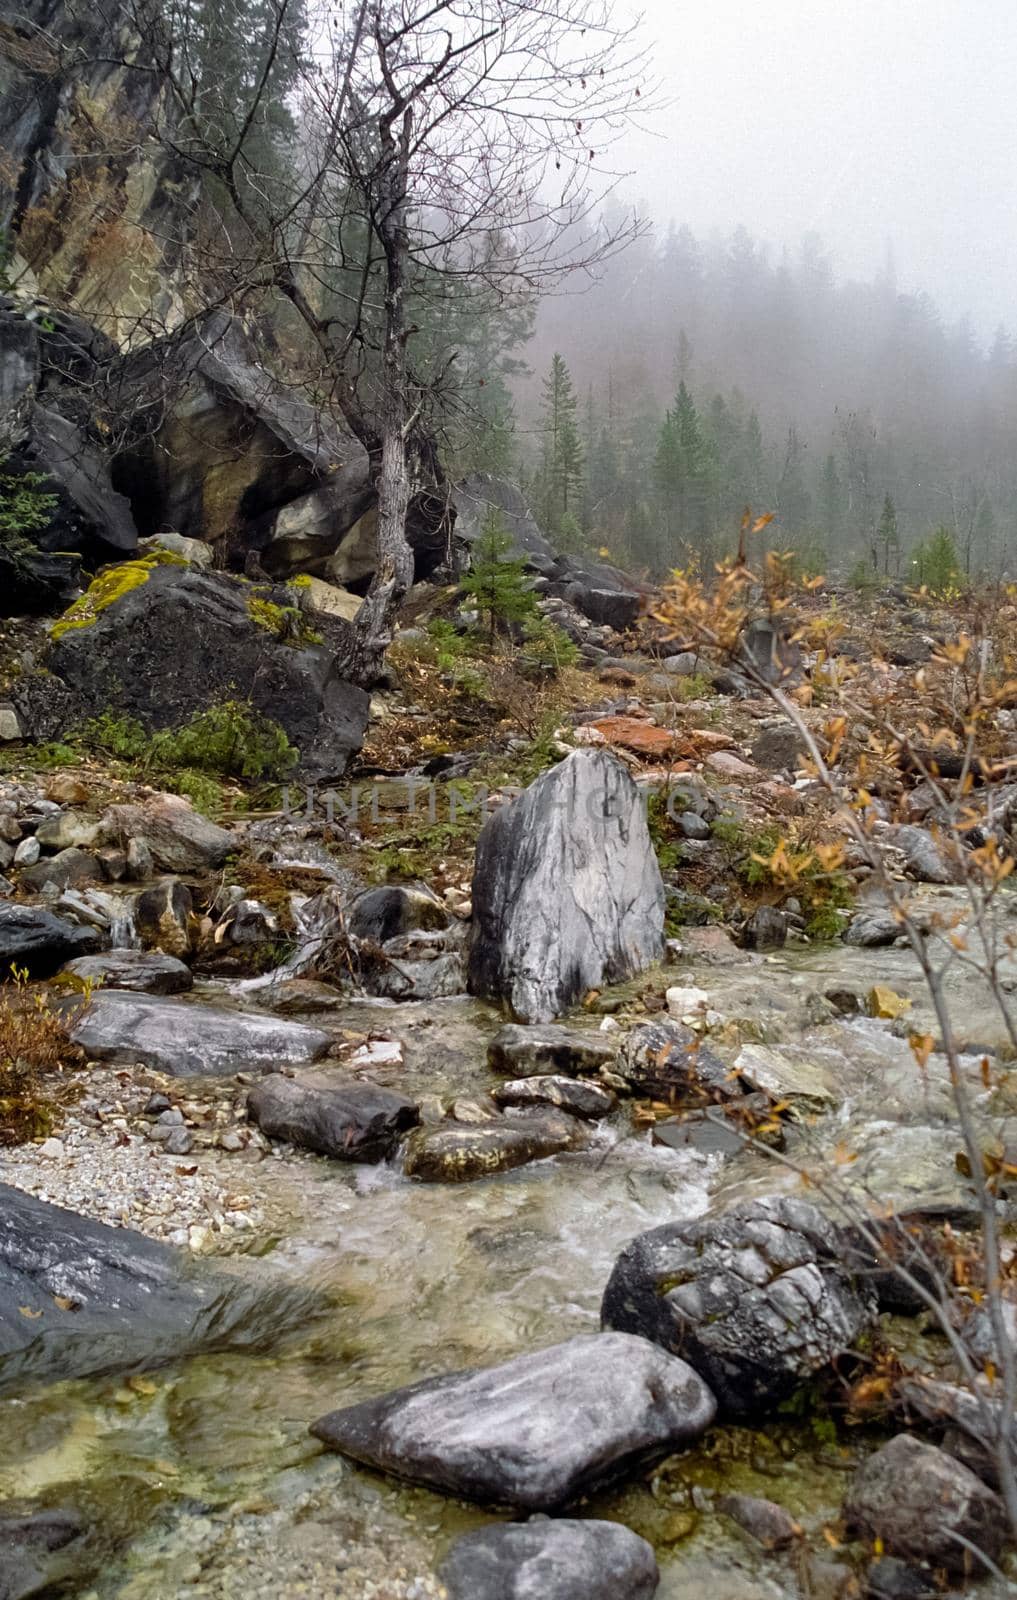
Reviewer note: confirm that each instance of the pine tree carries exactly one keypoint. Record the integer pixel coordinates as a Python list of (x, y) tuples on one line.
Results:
[(561, 474), (889, 537), (684, 472), (831, 500), (496, 581)]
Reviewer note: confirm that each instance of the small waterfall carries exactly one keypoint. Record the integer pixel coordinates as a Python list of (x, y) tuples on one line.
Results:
[(123, 935)]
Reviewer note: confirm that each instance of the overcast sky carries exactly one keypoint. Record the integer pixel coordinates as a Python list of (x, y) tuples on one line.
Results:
[(867, 120)]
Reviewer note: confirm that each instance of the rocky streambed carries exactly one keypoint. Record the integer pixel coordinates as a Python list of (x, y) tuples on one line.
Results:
[(199, 1477)]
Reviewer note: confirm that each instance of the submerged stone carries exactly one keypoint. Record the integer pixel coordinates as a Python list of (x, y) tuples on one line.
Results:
[(459, 1153), (545, 1560)]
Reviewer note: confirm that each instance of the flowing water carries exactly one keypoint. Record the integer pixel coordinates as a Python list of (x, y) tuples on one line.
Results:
[(197, 1465)]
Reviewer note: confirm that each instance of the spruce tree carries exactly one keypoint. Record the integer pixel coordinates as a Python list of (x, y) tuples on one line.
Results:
[(496, 581), (889, 538), (561, 472)]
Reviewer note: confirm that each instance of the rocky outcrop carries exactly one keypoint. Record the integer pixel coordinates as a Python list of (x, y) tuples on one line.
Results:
[(757, 1299), (536, 1432), (191, 1040), (125, 662), (78, 1298), (925, 1507), (347, 1119), (567, 893), (561, 1560)]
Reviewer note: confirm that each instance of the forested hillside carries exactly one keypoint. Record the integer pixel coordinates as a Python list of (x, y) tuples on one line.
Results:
[(711, 374)]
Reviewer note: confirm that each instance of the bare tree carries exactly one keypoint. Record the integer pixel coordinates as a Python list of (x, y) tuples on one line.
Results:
[(448, 146)]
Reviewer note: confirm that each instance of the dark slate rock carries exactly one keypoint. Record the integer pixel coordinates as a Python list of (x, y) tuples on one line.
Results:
[(143, 971), (668, 1061), (543, 1560), (36, 939), (121, 663), (478, 495), (580, 1099), (385, 913), (914, 1498), (67, 869), (757, 1299), (40, 1551), (766, 929), (535, 1432), (454, 1153), (132, 1303), (350, 1120), (567, 893), (191, 1040), (768, 650), (890, 1579), (612, 608), (519, 1050)]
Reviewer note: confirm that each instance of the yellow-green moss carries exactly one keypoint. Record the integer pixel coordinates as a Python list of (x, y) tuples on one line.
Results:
[(111, 584), (285, 623), (301, 581)]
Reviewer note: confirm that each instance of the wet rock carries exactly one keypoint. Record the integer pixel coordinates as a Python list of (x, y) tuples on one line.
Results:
[(39, 941), (178, 838), (78, 1298), (968, 1424), (350, 1120), (519, 1050), (757, 1299), (766, 929), (871, 930), (67, 829), (40, 1551), (247, 922), (163, 918), (914, 1498), (66, 870), (184, 1040), (567, 893), (763, 1519), (709, 1132), (804, 1075), (459, 1154), (712, 947), (693, 826), (144, 971), (535, 1432), (580, 1099), (544, 1560), (294, 996), (27, 852), (417, 980), (890, 1579), (382, 914), (668, 1061), (925, 857)]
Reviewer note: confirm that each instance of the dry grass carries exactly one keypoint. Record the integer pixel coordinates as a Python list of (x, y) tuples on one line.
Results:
[(36, 1060)]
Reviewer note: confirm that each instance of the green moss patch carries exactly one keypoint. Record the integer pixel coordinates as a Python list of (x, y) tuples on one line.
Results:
[(110, 585)]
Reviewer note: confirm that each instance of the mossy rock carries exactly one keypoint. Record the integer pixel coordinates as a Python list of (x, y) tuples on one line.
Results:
[(111, 584)]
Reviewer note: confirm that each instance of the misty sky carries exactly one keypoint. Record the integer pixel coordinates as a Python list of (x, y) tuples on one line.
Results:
[(866, 120)]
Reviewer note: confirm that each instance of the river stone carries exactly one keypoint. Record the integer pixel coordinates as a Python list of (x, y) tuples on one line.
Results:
[(346, 1118), (872, 929), (384, 913), (522, 1051), (535, 1432), (914, 1498), (36, 939), (68, 869), (132, 1303), (797, 1073), (587, 1100), (40, 1551), (763, 1519), (179, 839), (162, 917), (757, 1299), (567, 893), (186, 1040), (668, 1061), (457, 1154), (143, 971), (543, 1560), (924, 856), (66, 830)]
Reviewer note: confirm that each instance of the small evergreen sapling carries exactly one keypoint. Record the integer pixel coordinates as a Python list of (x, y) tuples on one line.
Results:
[(497, 581)]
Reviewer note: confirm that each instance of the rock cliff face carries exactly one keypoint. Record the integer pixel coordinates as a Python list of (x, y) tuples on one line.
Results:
[(89, 196)]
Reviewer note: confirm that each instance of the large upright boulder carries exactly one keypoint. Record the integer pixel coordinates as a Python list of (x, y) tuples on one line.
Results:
[(567, 893), (181, 641), (481, 496)]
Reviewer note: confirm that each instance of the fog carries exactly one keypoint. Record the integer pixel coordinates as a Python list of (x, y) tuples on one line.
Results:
[(883, 123)]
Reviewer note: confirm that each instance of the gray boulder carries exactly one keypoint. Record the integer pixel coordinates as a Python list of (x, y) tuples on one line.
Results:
[(191, 1040), (918, 1500), (33, 938), (925, 857), (562, 1560), (476, 497), (668, 1061), (350, 1120), (453, 1153), (519, 1050), (78, 1298), (143, 971), (567, 893), (536, 1432), (381, 914), (178, 838), (163, 917), (68, 869), (587, 1100), (872, 929), (758, 1299)]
